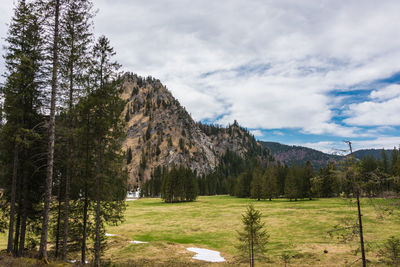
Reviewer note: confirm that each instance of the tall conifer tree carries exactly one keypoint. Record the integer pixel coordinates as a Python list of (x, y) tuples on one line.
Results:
[(270, 183), (75, 27), (52, 10), (21, 107), (108, 131)]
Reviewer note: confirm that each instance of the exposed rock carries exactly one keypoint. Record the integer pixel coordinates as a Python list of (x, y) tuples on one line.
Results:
[(160, 132)]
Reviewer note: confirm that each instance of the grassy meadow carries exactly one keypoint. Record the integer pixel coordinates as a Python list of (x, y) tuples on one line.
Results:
[(298, 229)]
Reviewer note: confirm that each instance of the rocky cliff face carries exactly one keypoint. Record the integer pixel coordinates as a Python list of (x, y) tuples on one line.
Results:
[(160, 132)]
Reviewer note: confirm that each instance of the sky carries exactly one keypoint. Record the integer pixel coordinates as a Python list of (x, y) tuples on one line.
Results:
[(310, 73)]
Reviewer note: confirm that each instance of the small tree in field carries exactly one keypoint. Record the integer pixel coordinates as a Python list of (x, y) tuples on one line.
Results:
[(254, 238), (390, 252)]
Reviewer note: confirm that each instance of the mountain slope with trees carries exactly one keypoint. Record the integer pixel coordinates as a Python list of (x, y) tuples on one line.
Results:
[(161, 133), (299, 155)]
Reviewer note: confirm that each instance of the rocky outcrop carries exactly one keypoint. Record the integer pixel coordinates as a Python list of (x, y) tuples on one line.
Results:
[(160, 132)]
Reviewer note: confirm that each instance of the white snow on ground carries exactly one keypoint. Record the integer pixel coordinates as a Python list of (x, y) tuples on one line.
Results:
[(206, 255), (137, 242), (109, 234), (131, 199), (74, 261)]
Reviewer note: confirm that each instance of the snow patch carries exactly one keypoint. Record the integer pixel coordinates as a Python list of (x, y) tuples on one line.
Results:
[(131, 199), (137, 242), (106, 234), (206, 255), (74, 261), (135, 194)]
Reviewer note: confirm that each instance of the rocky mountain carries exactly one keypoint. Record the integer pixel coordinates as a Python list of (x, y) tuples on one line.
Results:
[(299, 155), (160, 132)]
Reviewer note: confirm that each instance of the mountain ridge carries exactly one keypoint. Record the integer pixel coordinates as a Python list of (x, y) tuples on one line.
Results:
[(290, 154), (160, 132)]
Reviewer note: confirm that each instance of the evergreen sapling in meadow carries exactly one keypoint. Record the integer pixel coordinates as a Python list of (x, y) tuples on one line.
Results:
[(253, 238)]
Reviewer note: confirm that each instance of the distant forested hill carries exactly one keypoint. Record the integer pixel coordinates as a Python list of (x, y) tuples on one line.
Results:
[(299, 155), (376, 153)]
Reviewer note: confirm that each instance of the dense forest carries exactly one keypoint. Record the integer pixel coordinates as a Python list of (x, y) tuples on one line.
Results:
[(247, 177), (62, 171)]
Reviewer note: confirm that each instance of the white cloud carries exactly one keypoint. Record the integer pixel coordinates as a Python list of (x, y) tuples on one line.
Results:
[(386, 93), (340, 148), (269, 64), (386, 142), (372, 113), (278, 133), (257, 133)]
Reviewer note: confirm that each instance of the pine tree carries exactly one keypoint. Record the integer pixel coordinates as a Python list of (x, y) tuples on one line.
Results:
[(390, 251), (292, 184), (166, 188), (107, 108), (22, 103), (53, 9), (242, 186), (75, 27), (254, 238), (385, 161), (281, 173), (393, 162), (308, 174), (270, 185), (191, 186), (86, 152), (256, 184)]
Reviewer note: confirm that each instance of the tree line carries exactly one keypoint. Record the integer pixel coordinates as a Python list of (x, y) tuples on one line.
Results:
[(62, 171), (248, 177), (175, 184), (377, 177)]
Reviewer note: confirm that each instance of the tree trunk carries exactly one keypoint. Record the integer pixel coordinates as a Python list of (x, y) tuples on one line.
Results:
[(364, 262), (58, 219), (12, 204), (17, 226), (21, 246), (66, 210), (250, 253), (86, 200), (69, 149), (50, 156), (25, 201), (85, 212), (98, 211), (252, 249)]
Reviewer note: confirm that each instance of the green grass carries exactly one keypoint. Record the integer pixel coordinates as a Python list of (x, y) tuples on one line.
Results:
[(3, 241), (299, 228)]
